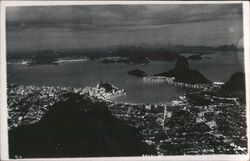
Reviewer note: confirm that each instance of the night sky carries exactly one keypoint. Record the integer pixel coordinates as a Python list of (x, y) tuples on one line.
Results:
[(76, 27)]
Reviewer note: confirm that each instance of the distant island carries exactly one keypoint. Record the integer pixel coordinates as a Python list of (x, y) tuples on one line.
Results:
[(137, 73)]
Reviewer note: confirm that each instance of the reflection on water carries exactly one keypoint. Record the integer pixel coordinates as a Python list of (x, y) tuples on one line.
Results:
[(78, 74)]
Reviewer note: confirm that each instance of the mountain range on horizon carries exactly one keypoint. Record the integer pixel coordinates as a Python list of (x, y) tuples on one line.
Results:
[(125, 51)]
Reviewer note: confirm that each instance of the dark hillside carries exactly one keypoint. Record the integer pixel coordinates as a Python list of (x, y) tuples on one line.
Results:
[(235, 85), (183, 73), (77, 127)]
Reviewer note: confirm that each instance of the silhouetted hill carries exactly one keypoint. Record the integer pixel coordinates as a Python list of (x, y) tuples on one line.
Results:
[(77, 127), (195, 57), (44, 57), (182, 64), (130, 60), (161, 54), (202, 49), (183, 73), (153, 52), (137, 73), (192, 49), (227, 48), (235, 85), (133, 53)]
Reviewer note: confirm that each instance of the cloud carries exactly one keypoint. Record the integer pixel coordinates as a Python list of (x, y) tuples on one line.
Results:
[(104, 16)]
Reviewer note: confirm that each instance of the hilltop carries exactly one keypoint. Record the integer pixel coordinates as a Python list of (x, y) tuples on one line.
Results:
[(235, 85), (79, 126), (184, 73)]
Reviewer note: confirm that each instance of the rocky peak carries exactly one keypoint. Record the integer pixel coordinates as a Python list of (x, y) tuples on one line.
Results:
[(236, 84), (182, 63)]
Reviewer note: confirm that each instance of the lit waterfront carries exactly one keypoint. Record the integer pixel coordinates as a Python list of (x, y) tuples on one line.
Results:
[(27, 104), (171, 81)]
